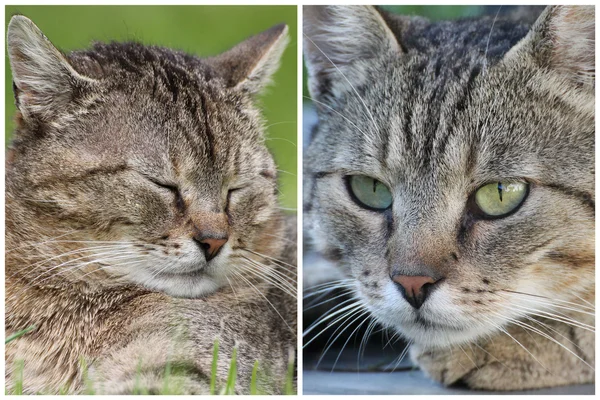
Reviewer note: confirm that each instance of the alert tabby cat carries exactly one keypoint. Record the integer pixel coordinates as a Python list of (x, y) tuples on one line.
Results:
[(451, 179), (141, 218)]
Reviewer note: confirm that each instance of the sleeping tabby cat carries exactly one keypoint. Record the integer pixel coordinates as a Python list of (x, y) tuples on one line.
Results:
[(451, 178), (142, 219)]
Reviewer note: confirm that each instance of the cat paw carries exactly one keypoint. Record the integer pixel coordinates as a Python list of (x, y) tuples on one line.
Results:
[(475, 369), (447, 366), (500, 369)]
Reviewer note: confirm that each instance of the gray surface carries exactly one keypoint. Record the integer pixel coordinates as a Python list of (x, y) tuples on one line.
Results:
[(402, 382), (379, 371)]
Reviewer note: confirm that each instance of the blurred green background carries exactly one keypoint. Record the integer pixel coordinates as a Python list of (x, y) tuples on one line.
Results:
[(200, 30)]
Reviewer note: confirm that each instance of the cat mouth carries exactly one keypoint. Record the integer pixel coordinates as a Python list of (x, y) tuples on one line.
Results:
[(197, 273), (191, 282), (426, 324)]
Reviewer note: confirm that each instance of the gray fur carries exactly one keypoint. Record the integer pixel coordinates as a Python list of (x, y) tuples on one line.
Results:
[(123, 157), (453, 106)]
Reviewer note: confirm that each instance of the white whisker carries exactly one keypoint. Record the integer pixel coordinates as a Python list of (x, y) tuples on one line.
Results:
[(264, 297), (367, 313)]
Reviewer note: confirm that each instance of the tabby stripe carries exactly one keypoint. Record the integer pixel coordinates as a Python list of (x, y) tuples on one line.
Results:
[(108, 170), (196, 138), (385, 145), (193, 138), (542, 245), (313, 188), (319, 175), (460, 104), (585, 198), (569, 259), (407, 122), (308, 206), (576, 347), (171, 84), (209, 133), (155, 83), (237, 159), (435, 123)]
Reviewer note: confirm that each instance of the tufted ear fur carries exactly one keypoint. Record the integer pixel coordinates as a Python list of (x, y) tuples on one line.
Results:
[(250, 65), (563, 39), (43, 80), (338, 36)]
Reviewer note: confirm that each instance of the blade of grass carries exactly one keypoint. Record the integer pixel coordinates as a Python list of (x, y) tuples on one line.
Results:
[(87, 382), (136, 384), (289, 382), (19, 334), (230, 387), (253, 379), (166, 389), (64, 389), (19, 377), (213, 374)]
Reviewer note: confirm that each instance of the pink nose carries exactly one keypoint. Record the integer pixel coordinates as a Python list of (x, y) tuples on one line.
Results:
[(414, 288), (211, 246)]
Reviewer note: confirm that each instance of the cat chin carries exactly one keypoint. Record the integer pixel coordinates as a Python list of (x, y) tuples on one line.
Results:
[(187, 285), (428, 336), (189, 288)]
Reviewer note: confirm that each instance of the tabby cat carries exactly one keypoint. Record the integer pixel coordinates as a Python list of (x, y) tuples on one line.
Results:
[(142, 221), (451, 179)]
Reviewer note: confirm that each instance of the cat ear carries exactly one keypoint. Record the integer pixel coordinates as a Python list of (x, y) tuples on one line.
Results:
[(338, 36), (250, 65), (563, 39), (43, 80)]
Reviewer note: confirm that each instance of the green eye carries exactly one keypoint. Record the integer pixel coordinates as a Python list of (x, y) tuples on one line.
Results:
[(500, 198), (369, 192)]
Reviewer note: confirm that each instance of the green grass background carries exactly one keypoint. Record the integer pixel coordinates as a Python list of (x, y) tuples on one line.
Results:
[(200, 30)]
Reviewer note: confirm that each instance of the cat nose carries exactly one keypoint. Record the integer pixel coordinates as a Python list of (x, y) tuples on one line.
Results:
[(210, 245), (415, 289)]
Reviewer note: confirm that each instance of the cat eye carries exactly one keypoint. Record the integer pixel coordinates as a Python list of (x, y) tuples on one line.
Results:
[(229, 193), (369, 192), (174, 189), (228, 199), (499, 199)]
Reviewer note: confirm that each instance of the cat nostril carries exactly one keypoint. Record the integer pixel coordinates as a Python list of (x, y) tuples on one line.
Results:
[(205, 246), (415, 289), (211, 245)]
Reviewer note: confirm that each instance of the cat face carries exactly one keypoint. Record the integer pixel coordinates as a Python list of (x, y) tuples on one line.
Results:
[(455, 189), (154, 157)]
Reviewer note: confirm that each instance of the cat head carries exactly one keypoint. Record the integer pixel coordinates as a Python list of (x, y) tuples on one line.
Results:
[(152, 159), (453, 179)]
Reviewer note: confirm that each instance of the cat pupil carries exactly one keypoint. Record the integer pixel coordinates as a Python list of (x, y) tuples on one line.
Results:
[(500, 190), (374, 185)]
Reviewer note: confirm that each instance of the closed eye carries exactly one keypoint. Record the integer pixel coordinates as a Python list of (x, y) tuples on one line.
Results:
[(173, 189), (266, 173), (229, 193)]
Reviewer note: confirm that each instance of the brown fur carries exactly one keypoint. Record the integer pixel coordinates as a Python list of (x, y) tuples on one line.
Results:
[(125, 159), (434, 111)]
